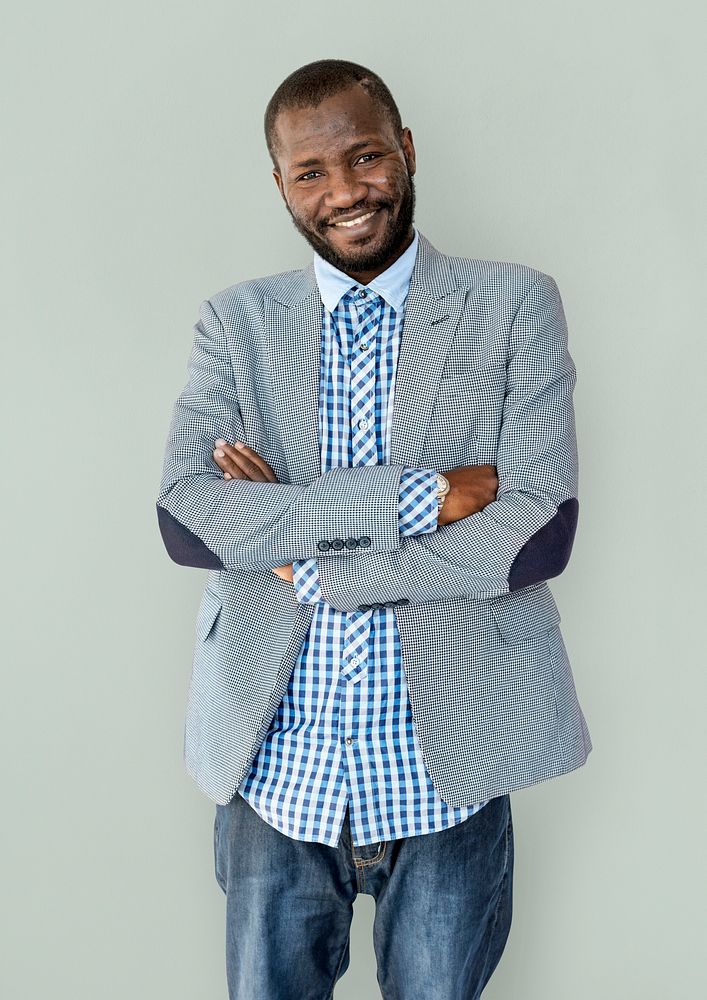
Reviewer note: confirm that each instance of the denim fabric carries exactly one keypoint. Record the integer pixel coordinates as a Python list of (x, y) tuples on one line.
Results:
[(443, 906)]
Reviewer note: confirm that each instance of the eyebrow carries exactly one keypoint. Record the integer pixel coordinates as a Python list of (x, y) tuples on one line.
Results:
[(315, 160)]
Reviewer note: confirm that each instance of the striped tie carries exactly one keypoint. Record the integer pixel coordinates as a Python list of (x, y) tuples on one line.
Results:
[(363, 312)]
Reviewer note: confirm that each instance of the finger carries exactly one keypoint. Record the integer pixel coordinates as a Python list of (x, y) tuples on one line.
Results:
[(226, 464), (249, 453), (249, 461), (253, 456), (246, 466)]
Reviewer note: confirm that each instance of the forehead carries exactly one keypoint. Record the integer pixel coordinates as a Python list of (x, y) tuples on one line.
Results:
[(336, 123)]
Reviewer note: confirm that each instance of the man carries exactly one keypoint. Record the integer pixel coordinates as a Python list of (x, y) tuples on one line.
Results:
[(375, 458)]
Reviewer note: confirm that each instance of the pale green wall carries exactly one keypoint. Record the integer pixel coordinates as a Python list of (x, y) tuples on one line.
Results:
[(136, 183)]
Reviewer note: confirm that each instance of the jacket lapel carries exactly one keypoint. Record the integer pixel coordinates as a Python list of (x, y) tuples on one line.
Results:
[(293, 322), (294, 327), (432, 310)]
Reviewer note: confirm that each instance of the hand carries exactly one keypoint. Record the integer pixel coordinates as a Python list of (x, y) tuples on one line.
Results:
[(472, 488), (242, 463), (245, 463)]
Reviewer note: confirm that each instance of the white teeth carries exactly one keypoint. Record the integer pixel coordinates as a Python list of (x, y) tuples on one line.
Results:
[(355, 222)]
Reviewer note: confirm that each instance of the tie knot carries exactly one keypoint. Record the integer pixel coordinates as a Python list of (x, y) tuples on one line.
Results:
[(359, 294), (363, 298)]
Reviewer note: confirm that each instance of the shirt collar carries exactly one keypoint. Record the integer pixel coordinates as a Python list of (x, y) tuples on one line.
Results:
[(392, 284)]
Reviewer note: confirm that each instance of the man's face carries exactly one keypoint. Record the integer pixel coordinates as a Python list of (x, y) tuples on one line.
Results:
[(339, 162)]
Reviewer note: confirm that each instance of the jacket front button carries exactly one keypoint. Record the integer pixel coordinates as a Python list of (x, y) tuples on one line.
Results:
[(337, 543), (364, 607), (364, 541), (351, 543), (323, 545)]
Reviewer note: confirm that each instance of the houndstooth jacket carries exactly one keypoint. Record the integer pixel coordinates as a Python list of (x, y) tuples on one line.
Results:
[(484, 375)]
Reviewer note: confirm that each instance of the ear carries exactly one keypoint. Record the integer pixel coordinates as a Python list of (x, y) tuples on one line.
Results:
[(409, 150), (280, 186)]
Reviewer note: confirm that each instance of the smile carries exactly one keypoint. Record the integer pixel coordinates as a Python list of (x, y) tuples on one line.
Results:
[(357, 222)]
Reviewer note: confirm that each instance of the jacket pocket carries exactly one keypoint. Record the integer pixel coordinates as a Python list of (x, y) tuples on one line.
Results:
[(208, 612), (525, 613)]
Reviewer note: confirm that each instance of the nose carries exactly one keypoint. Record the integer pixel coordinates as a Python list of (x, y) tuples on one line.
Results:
[(345, 190)]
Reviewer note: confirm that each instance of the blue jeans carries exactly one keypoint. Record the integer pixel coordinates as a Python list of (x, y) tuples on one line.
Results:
[(443, 906)]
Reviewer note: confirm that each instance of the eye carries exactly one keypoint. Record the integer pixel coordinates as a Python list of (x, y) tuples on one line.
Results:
[(308, 175), (374, 155)]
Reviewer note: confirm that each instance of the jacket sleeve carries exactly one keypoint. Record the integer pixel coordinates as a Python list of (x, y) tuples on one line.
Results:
[(215, 523), (418, 508), (526, 534)]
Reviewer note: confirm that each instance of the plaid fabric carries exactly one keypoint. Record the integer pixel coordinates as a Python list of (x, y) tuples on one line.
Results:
[(344, 731)]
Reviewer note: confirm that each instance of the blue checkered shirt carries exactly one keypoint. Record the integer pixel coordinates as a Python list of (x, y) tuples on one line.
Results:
[(344, 732)]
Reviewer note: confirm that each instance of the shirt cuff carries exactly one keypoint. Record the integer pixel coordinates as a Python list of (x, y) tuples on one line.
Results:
[(418, 508), (305, 577)]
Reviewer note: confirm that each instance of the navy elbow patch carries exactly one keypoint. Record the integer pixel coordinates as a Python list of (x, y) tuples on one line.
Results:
[(183, 545), (547, 552)]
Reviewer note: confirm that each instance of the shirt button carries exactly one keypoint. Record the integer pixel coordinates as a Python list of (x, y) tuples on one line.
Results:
[(363, 424), (364, 346), (349, 739), (362, 294)]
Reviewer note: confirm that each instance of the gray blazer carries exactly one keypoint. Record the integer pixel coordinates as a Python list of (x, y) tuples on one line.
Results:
[(483, 376)]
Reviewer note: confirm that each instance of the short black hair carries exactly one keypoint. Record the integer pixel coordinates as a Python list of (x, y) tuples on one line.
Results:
[(313, 83)]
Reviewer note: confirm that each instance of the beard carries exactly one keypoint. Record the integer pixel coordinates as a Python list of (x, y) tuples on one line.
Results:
[(359, 259)]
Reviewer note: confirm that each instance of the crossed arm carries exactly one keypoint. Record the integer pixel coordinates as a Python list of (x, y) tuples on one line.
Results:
[(471, 488), (209, 522), (522, 537), (418, 507)]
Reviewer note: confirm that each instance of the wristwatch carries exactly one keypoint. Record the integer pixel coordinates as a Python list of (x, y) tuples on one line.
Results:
[(443, 488)]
